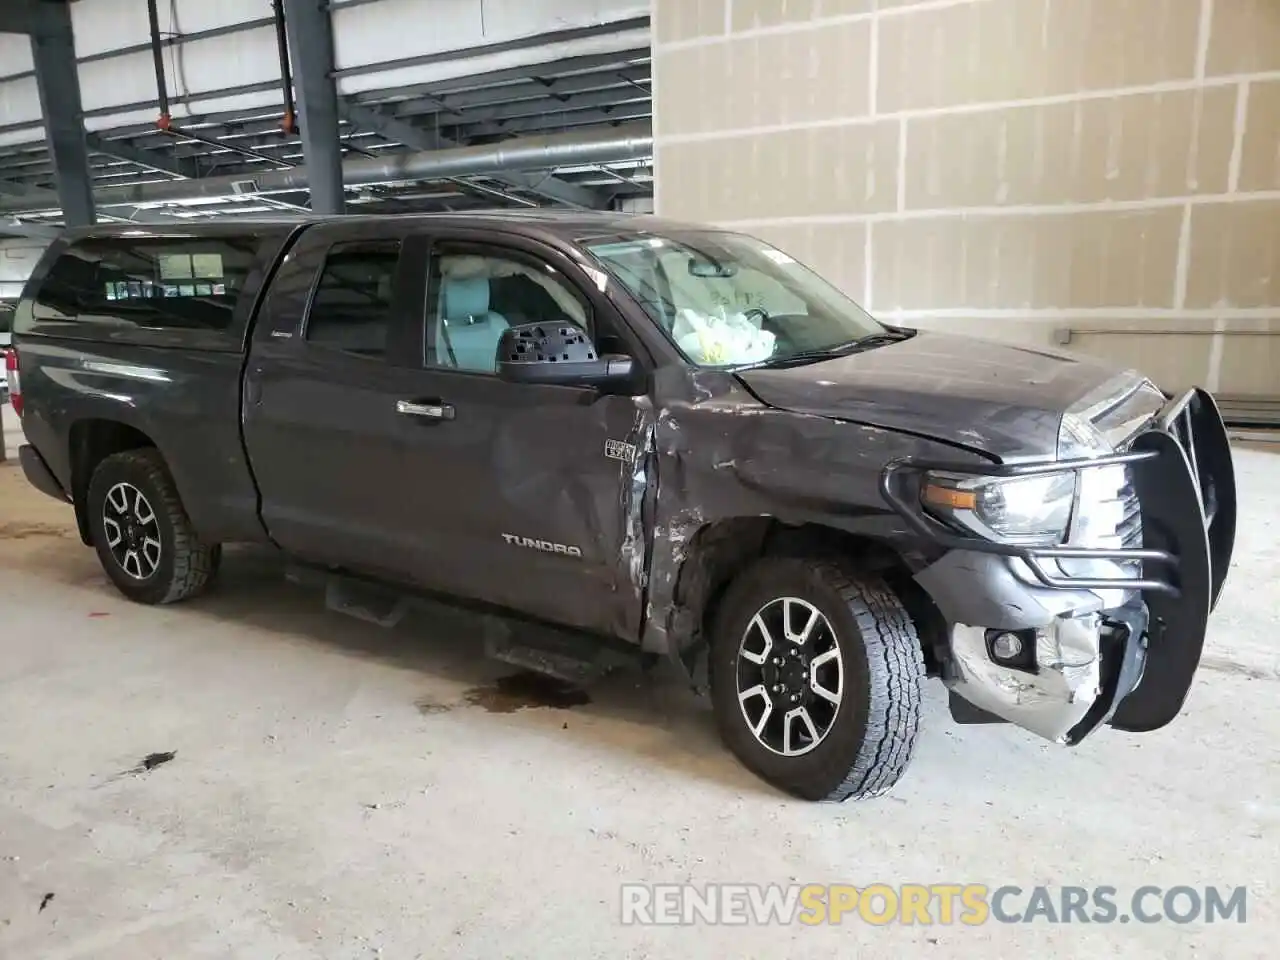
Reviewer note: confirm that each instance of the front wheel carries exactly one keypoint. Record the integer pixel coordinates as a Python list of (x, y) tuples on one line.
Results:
[(145, 541), (815, 678)]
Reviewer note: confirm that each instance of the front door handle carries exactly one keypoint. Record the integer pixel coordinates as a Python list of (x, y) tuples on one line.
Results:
[(431, 410)]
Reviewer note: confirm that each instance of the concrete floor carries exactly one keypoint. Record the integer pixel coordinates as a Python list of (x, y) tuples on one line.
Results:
[(341, 791)]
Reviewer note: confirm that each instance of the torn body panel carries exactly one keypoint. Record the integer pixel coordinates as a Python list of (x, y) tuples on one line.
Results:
[(729, 469), (638, 494)]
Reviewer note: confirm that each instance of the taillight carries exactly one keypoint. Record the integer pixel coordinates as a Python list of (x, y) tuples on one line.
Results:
[(15, 382)]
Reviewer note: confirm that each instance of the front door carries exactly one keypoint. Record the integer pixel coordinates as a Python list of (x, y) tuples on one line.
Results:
[(320, 421), (525, 495)]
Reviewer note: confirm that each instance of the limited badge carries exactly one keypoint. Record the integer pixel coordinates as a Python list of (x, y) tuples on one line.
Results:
[(617, 450)]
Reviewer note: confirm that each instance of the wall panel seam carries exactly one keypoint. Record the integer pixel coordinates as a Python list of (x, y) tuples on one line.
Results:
[(920, 113), (1238, 132), (1203, 33), (1184, 259), (817, 23), (1027, 210)]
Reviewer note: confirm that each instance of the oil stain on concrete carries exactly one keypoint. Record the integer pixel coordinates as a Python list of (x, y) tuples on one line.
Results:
[(517, 691)]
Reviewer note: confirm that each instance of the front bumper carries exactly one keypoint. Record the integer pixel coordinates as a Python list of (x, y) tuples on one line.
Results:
[(1119, 648)]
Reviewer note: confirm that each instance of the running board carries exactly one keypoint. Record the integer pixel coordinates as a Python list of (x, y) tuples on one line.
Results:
[(565, 656), (571, 657), (365, 601)]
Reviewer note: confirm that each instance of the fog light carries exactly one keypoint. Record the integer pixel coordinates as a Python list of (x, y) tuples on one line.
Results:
[(1006, 646)]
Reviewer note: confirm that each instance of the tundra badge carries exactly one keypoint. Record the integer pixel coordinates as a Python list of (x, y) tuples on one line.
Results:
[(546, 546)]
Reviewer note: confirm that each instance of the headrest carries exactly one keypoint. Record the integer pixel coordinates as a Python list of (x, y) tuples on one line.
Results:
[(464, 297)]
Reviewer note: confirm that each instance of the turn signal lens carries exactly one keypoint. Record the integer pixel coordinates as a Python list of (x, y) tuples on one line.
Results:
[(949, 497)]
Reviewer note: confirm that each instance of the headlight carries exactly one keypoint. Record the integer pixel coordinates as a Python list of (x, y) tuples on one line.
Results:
[(1033, 510)]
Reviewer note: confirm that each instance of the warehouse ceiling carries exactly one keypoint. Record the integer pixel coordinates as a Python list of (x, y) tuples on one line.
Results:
[(587, 93)]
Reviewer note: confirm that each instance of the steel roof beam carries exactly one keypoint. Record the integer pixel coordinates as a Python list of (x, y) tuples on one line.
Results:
[(27, 192), (586, 148), (504, 46), (18, 16), (419, 139), (532, 90), (310, 31), (553, 122), (533, 71), (151, 159), (53, 51), (601, 99), (8, 13)]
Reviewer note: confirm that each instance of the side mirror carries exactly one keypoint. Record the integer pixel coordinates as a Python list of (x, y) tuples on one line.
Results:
[(558, 353)]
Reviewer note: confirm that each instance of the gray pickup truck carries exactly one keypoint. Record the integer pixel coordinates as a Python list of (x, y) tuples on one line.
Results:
[(622, 435)]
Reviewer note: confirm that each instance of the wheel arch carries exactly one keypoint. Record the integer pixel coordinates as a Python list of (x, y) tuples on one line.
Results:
[(92, 440), (718, 550)]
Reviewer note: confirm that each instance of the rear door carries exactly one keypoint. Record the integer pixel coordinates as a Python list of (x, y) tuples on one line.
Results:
[(320, 421), (521, 495)]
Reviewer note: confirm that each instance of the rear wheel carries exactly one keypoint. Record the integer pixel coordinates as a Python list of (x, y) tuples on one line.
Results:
[(815, 678), (144, 538)]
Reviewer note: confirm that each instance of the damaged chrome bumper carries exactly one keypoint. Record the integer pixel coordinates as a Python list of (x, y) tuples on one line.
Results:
[(1069, 678), (1060, 640)]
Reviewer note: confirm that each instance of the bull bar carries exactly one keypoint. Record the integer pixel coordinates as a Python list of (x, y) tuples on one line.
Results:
[(1185, 441), (1181, 470)]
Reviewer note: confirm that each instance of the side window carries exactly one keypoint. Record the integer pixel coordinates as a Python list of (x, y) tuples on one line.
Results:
[(351, 306), (150, 283), (472, 298)]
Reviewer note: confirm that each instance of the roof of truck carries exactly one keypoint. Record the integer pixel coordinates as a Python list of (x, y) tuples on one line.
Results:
[(566, 224)]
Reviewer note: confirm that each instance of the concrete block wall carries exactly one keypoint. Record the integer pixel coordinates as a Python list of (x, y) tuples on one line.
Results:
[(1100, 172)]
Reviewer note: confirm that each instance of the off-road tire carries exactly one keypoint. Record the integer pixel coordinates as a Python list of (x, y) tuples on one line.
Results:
[(187, 564), (873, 734)]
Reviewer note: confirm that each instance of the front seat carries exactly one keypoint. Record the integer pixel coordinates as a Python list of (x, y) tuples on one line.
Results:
[(468, 333)]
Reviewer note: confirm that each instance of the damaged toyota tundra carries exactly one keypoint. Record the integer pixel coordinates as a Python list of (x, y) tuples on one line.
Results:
[(619, 437)]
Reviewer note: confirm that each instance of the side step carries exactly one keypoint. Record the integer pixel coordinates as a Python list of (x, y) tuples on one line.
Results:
[(369, 602), (567, 656)]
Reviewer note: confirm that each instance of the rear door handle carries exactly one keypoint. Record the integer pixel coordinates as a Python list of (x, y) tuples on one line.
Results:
[(431, 410)]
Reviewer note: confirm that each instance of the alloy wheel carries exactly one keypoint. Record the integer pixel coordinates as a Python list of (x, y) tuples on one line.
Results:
[(132, 530), (790, 676)]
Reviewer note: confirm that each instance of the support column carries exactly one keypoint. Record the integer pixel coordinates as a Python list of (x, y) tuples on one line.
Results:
[(310, 33), (53, 51)]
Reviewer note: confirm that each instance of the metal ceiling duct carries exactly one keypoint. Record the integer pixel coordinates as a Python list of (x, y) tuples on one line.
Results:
[(616, 144)]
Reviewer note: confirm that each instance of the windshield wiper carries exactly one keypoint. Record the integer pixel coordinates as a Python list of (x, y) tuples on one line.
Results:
[(837, 350)]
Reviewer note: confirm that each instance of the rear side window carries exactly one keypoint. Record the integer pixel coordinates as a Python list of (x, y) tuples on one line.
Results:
[(351, 306), (180, 283)]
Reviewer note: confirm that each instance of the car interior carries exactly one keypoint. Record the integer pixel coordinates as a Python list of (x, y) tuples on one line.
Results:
[(480, 297)]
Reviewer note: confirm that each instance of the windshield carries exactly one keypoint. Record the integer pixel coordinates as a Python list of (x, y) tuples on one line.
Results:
[(727, 299)]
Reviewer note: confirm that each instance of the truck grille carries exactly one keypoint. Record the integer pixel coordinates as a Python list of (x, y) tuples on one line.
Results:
[(1129, 531), (1115, 516)]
